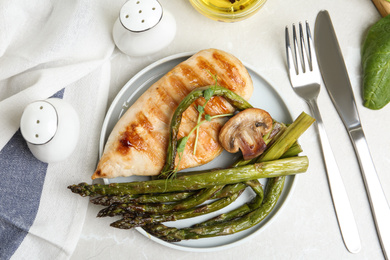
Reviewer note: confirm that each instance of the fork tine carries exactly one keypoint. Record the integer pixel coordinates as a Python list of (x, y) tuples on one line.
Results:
[(305, 61), (312, 54), (290, 60), (297, 52)]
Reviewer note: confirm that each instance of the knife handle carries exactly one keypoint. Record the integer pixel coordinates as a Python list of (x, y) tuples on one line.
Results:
[(379, 205), (383, 7), (340, 199)]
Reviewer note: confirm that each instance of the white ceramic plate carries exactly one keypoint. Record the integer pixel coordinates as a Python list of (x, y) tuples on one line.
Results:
[(264, 96)]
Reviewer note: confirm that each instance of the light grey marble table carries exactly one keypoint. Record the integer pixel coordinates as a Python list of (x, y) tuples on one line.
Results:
[(306, 228)]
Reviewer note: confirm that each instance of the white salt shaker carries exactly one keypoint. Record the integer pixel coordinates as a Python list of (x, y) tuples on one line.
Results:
[(143, 28), (51, 128)]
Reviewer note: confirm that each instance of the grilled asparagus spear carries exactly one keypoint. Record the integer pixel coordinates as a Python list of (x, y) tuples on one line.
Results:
[(137, 221), (199, 180), (273, 191)]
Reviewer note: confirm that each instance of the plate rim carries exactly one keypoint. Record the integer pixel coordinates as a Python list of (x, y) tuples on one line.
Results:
[(276, 212)]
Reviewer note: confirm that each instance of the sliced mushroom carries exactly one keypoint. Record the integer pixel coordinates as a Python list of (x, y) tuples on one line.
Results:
[(245, 132)]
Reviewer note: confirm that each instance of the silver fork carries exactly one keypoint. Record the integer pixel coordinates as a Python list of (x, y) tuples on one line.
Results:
[(305, 79)]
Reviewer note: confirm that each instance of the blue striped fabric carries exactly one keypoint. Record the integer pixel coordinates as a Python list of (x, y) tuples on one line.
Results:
[(22, 177)]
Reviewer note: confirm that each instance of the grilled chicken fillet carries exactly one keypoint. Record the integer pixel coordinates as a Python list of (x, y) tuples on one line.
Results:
[(138, 143)]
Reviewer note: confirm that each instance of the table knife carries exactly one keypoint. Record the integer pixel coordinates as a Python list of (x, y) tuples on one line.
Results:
[(337, 83)]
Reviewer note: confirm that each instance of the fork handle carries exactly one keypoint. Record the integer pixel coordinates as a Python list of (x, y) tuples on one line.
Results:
[(340, 199)]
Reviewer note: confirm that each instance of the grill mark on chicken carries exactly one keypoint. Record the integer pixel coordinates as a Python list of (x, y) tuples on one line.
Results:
[(131, 137), (141, 136), (162, 99), (231, 72), (221, 105), (166, 97), (188, 121), (157, 112), (208, 134), (157, 144), (179, 87), (194, 78), (205, 65), (217, 106)]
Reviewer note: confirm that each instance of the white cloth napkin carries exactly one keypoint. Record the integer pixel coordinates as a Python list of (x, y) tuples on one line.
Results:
[(50, 47)]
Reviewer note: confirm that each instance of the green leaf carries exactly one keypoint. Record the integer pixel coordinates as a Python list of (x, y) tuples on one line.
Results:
[(207, 117), (208, 93), (376, 65), (200, 109), (181, 144)]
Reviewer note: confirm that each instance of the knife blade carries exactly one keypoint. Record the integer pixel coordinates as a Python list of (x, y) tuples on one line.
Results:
[(337, 83)]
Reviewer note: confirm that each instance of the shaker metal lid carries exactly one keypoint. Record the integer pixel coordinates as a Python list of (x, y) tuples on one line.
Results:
[(140, 15), (39, 122)]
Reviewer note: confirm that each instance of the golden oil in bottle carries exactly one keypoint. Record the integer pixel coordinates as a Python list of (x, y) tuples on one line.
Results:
[(227, 10)]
